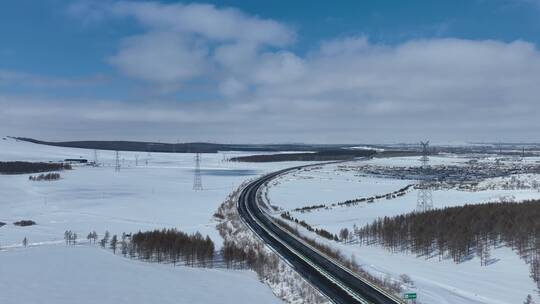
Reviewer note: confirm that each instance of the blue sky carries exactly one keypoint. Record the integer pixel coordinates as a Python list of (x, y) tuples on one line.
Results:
[(41, 37), (299, 70)]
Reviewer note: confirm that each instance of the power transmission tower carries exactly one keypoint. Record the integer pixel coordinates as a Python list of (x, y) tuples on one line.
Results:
[(197, 181), (425, 196), (96, 158), (425, 154), (117, 162), (136, 160), (148, 154)]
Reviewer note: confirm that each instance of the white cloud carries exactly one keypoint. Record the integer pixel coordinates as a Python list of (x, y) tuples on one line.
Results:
[(161, 57), (208, 21), (347, 89), (278, 67), (185, 40), (232, 87)]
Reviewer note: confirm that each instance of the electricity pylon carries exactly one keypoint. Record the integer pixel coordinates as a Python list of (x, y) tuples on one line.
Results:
[(425, 196), (197, 180), (117, 162), (96, 160)]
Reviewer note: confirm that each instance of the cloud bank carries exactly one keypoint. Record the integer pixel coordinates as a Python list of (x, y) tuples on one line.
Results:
[(346, 89)]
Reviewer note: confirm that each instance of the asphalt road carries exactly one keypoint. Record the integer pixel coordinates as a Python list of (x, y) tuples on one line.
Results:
[(335, 281)]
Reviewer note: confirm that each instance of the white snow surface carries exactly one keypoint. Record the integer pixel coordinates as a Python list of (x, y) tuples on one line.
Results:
[(144, 197), (326, 185), (438, 282), (88, 275)]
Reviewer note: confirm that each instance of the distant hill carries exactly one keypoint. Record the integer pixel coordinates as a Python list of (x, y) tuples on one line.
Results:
[(182, 147), (327, 155)]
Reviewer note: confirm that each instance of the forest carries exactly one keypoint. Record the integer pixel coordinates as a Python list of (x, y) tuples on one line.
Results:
[(461, 233), (173, 246), (326, 155), (177, 247), (20, 167)]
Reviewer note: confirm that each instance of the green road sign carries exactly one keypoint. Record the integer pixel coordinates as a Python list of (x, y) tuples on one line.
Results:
[(409, 296)]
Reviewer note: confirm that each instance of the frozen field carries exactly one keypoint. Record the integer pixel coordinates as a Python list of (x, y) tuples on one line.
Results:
[(320, 185), (157, 195), (413, 161), (148, 196), (441, 282), (364, 213), (88, 275)]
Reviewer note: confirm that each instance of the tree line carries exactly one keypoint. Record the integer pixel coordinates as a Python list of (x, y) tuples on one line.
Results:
[(161, 246), (356, 201), (324, 155), (173, 246), (45, 177), (319, 231), (350, 263), (20, 167), (461, 233)]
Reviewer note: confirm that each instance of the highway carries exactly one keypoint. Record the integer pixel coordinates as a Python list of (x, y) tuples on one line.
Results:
[(335, 281)]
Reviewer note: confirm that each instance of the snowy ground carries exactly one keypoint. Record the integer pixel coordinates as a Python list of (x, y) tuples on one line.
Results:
[(85, 274), (327, 185), (157, 195), (441, 282), (148, 196)]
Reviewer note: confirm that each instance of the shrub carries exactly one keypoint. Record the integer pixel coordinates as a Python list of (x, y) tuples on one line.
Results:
[(45, 177), (24, 223)]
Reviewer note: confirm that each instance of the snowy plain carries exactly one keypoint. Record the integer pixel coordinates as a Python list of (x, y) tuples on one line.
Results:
[(441, 282), (151, 191), (327, 185), (88, 275), (157, 195)]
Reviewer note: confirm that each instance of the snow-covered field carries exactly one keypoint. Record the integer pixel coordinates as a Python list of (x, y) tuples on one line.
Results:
[(327, 185), (441, 282), (157, 195), (83, 274), (148, 196)]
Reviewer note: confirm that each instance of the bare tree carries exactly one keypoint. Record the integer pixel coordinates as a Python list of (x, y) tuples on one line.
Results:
[(344, 234), (114, 243), (529, 300), (67, 236)]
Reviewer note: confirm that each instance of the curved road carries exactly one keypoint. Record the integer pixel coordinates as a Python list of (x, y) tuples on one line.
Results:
[(335, 281)]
